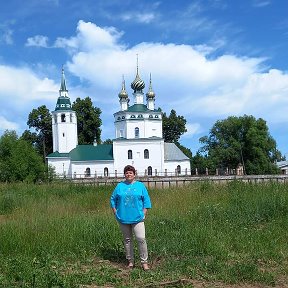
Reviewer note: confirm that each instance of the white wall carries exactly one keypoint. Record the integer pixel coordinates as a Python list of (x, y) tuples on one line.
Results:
[(61, 166), (171, 166), (148, 127), (65, 136), (156, 154), (96, 168)]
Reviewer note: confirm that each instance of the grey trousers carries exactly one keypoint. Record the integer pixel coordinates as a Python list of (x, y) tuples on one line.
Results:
[(139, 232)]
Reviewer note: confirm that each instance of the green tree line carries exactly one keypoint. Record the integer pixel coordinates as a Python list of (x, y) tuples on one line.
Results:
[(241, 140)]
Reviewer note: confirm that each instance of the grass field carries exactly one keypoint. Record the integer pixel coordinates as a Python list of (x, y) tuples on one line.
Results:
[(202, 235)]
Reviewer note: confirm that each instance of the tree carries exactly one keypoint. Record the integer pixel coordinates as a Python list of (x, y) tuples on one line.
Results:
[(40, 119), (173, 127), (185, 150), (7, 142), (242, 140), (88, 121), (18, 160), (30, 137), (108, 141)]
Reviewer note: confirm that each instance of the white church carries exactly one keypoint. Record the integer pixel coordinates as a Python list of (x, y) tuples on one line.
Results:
[(138, 140)]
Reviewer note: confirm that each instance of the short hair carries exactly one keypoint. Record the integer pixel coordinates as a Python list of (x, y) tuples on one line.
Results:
[(129, 168)]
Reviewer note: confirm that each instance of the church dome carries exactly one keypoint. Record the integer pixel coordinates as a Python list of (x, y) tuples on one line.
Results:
[(123, 94), (150, 94), (138, 84)]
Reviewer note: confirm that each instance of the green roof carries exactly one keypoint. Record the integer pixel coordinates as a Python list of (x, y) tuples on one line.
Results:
[(58, 155), (63, 103), (138, 108), (90, 152)]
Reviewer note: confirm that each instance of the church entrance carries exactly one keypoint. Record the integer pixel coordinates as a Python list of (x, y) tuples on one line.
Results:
[(149, 171)]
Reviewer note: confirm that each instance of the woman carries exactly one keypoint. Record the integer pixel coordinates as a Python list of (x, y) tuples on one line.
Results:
[(129, 202)]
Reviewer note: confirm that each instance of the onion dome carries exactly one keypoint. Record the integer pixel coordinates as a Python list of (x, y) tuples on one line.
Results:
[(123, 94), (150, 94), (138, 84)]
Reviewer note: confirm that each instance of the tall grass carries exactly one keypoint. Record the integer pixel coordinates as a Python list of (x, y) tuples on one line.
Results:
[(62, 235)]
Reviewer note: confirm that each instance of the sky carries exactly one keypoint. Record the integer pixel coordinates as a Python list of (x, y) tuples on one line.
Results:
[(208, 59)]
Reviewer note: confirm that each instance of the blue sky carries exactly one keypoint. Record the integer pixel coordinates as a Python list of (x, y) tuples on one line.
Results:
[(209, 59)]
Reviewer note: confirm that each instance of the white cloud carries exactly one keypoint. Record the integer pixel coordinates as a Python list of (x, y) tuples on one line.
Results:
[(145, 18), (261, 3), (38, 40), (7, 125), (6, 34), (90, 38), (192, 129), (22, 84), (21, 90), (184, 77)]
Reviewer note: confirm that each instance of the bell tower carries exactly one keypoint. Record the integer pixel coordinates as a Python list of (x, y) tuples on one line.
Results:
[(64, 122)]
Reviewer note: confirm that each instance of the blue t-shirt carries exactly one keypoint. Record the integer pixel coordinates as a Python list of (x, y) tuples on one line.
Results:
[(130, 199)]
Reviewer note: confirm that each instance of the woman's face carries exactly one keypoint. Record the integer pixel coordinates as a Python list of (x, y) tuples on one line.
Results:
[(129, 176)]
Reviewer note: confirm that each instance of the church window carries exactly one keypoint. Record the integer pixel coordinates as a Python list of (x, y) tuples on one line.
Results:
[(119, 118), (71, 117), (63, 118), (156, 116), (130, 154), (106, 172), (133, 116), (87, 172), (150, 116), (178, 169), (123, 117), (150, 171), (140, 116), (146, 154), (136, 132), (121, 133), (63, 134)]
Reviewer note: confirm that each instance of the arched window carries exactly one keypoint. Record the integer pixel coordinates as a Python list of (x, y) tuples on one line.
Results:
[(130, 154), (136, 132), (71, 118), (63, 118), (146, 154), (106, 172), (150, 171), (178, 169), (87, 172)]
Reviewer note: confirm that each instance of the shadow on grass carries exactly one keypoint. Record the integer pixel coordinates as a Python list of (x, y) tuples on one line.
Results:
[(113, 254)]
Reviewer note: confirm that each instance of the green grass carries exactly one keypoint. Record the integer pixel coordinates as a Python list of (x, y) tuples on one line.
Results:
[(62, 235)]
